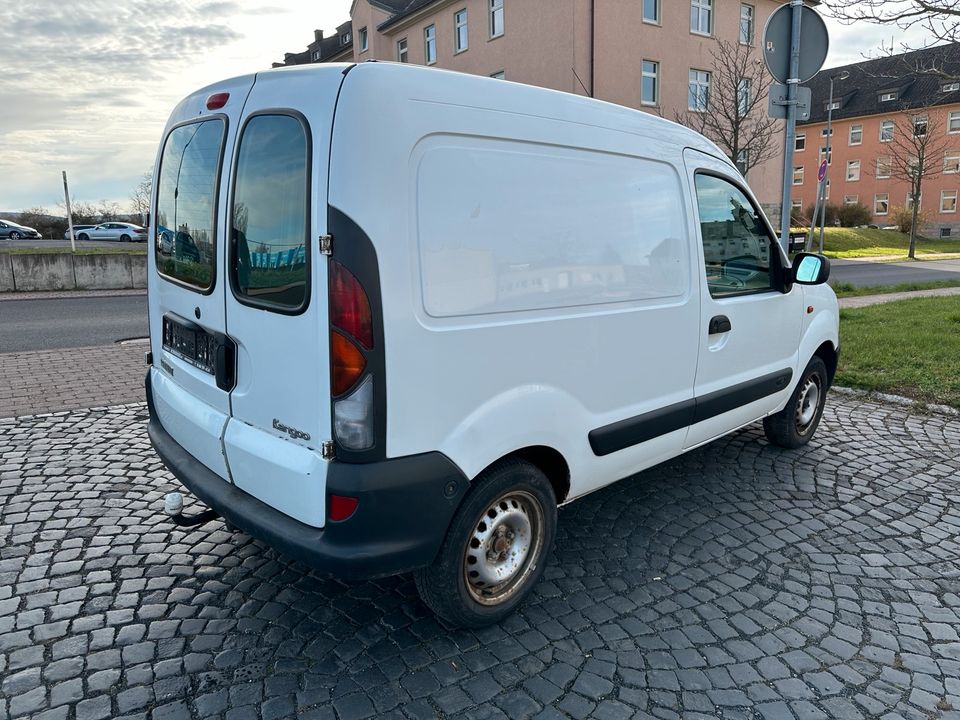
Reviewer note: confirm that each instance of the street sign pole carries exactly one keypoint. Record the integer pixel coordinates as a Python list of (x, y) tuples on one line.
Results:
[(793, 81), (66, 195)]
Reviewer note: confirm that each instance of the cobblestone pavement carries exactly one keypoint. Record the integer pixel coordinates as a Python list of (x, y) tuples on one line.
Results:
[(51, 380), (738, 581)]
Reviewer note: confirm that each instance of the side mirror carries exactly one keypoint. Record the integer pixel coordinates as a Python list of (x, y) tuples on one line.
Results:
[(810, 269)]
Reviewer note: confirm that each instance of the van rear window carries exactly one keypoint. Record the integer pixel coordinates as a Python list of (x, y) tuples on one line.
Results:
[(269, 218), (187, 203)]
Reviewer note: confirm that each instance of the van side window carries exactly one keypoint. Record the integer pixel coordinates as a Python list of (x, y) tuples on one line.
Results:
[(736, 244), (187, 203), (268, 222)]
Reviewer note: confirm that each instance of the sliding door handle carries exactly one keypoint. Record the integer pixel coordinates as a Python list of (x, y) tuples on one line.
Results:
[(719, 324)]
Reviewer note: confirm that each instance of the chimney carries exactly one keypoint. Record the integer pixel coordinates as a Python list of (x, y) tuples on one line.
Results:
[(317, 36)]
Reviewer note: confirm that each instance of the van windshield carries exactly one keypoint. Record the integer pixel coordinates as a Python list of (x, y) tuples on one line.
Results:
[(187, 203)]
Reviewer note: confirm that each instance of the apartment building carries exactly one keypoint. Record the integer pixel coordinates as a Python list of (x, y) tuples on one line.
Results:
[(652, 55), (916, 93)]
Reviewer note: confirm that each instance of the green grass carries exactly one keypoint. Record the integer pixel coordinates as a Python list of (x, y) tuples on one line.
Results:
[(908, 347), (843, 289), (870, 242), (125, 250)]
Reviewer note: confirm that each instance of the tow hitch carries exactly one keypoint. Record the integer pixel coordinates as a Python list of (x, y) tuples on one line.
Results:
[(173, 506)]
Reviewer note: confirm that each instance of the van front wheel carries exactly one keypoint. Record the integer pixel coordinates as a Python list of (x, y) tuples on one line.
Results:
[(495, 549), (793, 426)]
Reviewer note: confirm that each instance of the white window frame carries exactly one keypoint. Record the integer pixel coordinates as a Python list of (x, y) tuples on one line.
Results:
[(796, 204), (460, 21), (699, 79), (908, 202), (403, 50), (655, 20), (655, 75), (826, 151), (800, 142), (363, 39), (951, 162), (345, 39), (851, 199), (744, 96), (853, 165), (884, 161), (835, 105), (887, 97), (499, 75), (824, 133), (948, 195), (316, 55), (430, 42), (858, 129), (953, 122), (887, 125), (798, 174), (702, 9), (921, 120), (881, 197), (950, 87), (748, 15), (496, 16)]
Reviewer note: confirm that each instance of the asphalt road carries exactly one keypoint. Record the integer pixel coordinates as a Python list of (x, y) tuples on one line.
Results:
[(43, 244), (861, 273), (47, 324)]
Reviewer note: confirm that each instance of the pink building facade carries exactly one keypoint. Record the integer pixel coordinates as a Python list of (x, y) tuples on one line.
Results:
[(642, 54)]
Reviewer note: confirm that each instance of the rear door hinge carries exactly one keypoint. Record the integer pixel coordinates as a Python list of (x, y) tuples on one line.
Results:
[(327, 450), (326, 244)]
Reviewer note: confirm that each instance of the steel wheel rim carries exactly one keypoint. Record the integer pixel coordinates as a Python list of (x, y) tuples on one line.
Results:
[(808, 403), (504, 548)]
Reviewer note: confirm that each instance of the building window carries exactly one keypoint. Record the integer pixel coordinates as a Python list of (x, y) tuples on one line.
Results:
[(698, 96), (835, 105), (920, 126), (316, 56), (908, 204), (430, 44), (701, 16), (853, 170), (826, 151), (362, 37), (883, 167), (651, 11), (948, 201), (796, 206), (825, 132), (826, 189), (851, 199), (496, 18), (944, 232), (881, 204), (856, 135), (746, 24), (345, 39), (460, 30), (887, 97), (402, 50), (743, 160), (800, 142), (743, 96), (650, 83), (499, 75), (950, 87), (886, 130), (951, 161), (798, 174)]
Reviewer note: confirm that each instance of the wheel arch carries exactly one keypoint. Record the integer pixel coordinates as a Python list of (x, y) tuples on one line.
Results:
[(828, 353), (546, 459)]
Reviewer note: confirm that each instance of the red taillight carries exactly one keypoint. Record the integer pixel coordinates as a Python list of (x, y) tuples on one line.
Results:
[(349, 306), (347, 362), (217, 101), (342, 507)]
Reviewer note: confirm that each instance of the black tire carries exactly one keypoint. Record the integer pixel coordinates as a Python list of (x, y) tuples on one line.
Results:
[(793, 426), (124, 238), (15, 235), (504, 489), (83, 237)]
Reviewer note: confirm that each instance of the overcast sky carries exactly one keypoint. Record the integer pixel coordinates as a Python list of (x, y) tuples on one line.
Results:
[(86, 87)]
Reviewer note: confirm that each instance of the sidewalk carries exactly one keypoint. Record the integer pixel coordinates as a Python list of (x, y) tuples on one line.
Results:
[(866, 300)]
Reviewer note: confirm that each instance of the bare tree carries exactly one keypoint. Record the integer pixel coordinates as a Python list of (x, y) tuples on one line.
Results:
[(734, 109), (916, 153), (140, 197), (939, 19)]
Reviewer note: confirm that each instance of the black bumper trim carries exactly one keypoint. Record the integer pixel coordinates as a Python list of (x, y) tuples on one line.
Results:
[(405, 507)]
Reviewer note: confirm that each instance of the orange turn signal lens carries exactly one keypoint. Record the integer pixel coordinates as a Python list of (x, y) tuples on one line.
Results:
[(348, 363)]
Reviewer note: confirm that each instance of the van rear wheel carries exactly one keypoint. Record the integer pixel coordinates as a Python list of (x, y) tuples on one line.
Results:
[(495, 549), (793, 426)]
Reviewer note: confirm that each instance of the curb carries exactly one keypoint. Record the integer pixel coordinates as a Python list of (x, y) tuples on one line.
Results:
[(897, 400)]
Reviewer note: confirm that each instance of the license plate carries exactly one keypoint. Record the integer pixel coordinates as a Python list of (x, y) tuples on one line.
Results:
[(191, 343)]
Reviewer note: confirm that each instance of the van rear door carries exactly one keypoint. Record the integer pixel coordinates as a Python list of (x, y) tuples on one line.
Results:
[(276, 302)]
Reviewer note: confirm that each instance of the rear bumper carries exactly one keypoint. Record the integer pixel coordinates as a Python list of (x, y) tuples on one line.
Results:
[(405, 507)]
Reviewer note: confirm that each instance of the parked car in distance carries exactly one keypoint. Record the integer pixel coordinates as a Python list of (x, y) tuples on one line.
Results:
[(77, 229), (124, 232), (15, 231)]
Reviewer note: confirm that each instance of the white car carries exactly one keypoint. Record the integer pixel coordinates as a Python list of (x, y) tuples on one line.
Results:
[(523, 297), (124, 232)]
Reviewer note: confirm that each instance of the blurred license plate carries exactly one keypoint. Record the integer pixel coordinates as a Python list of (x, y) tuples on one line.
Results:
[(189, 342)]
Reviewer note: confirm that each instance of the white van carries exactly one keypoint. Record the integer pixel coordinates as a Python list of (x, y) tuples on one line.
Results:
[(408, 313)]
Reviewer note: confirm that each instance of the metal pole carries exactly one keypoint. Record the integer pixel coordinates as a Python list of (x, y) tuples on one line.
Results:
[(796, 7), (826, 175), (66, 195)]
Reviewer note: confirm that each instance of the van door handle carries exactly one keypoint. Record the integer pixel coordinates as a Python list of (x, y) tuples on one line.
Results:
[(719, 324)]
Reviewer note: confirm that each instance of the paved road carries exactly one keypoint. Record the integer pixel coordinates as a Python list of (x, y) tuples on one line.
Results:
[(739, 582), (46, 244), (861, 273), (43, 324)]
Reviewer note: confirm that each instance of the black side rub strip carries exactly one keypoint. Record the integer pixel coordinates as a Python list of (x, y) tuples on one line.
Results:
[(632, 431)]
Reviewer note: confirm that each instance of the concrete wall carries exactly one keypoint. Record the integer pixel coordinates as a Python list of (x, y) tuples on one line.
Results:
[(63, 271)]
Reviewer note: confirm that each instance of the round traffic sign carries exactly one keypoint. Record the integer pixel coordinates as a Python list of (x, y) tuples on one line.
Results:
[(814, 43), (822, 172)]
